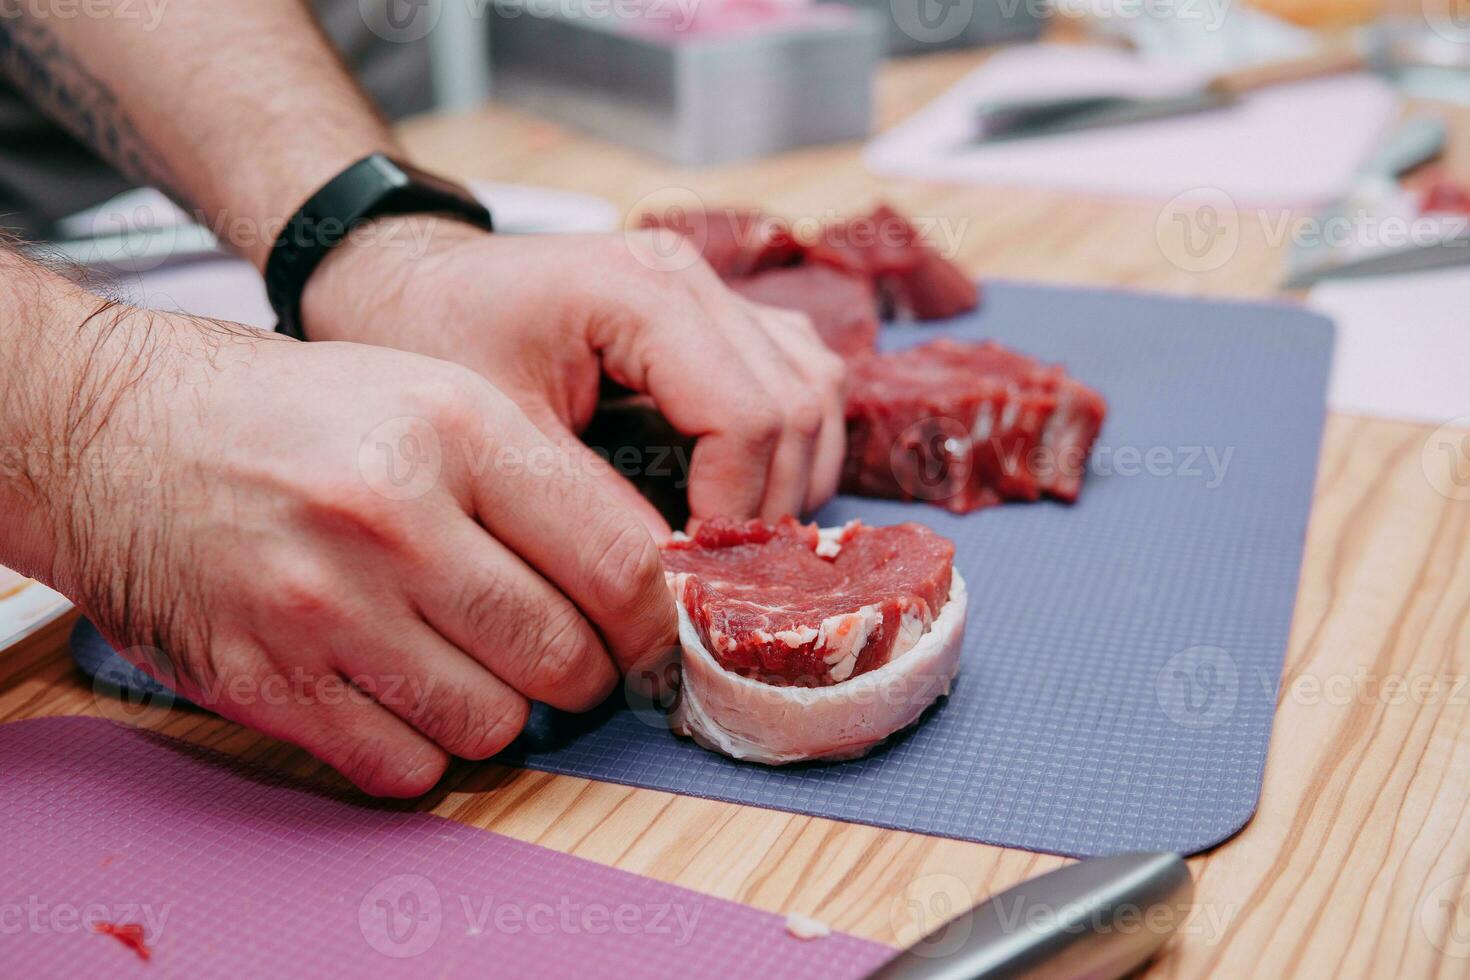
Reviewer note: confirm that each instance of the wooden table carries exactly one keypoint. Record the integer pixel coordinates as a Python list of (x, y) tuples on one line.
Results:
[(1363, 830)]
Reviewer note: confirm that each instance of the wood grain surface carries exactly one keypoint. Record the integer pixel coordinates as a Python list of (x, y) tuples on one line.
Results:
[(1358, 860)]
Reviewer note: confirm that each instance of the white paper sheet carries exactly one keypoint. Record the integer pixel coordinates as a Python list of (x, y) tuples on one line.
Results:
[(1292, 145), (1403, 345)]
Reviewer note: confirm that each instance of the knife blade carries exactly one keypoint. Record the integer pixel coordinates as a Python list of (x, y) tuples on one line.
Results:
[(1416, 140), (1025, 118), (1098, 919), (1414, 258)]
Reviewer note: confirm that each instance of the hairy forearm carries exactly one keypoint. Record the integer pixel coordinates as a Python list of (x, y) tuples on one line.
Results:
[(239, 110), (68, 358)]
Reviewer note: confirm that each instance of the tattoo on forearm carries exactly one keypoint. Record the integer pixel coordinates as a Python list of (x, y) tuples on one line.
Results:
[(55, 80)]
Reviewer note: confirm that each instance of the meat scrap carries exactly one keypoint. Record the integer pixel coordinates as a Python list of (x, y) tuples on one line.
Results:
[(966, 425), (804, 927), (130, 934), (843, 308), (802, 645)]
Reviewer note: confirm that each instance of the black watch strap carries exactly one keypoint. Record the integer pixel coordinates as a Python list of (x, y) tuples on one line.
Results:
[(372, 187)]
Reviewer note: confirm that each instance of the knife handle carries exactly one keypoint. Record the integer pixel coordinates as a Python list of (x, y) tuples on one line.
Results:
[(1256, 77)]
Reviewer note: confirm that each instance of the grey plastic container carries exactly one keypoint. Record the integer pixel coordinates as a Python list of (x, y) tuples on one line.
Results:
[(692, 99), (917, 26)]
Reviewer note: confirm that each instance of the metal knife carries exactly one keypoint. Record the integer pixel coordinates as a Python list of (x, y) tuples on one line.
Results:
[(1025, 118), (1415, 141), (1444, 254), (1097, 919)]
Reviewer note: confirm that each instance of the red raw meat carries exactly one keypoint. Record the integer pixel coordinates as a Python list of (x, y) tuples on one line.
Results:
[(913, 280), (966, 426), (1439, 193), (909, 279), (799, 645), (768, 605), (842, 307), (734, 241)]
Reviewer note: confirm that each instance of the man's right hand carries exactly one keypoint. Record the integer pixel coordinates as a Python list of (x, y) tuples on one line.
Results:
[(371, 554)]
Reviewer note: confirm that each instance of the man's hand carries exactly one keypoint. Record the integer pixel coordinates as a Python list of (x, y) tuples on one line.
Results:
[(543, 317), (330, 519)]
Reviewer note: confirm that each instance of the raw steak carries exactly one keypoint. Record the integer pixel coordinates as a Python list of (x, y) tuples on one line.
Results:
[(734, 241), (907, 278), (966, 426), (914, 282), (843, 308), (800, 644)]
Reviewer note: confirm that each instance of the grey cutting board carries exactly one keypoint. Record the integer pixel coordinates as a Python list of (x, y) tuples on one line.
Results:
[(1122, 654)]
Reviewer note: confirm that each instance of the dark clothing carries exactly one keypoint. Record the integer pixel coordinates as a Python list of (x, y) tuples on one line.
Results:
[(46, 175)]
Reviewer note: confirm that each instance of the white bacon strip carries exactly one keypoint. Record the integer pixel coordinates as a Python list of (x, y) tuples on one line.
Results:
[(758, 722)]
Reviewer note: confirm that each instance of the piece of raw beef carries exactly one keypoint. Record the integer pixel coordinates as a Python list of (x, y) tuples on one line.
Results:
[(799, 644), (842, 308), (966, 425), (734, 241), (906, 277), (913, 281)]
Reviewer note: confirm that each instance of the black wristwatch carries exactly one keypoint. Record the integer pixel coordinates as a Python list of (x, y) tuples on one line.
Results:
[(372, 187)]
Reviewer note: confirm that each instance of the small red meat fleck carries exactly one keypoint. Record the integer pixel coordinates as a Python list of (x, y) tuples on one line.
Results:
[(130, 934)]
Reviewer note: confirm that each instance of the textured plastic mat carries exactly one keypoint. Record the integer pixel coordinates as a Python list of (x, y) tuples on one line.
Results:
[(233, 873), (1122, 654)]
